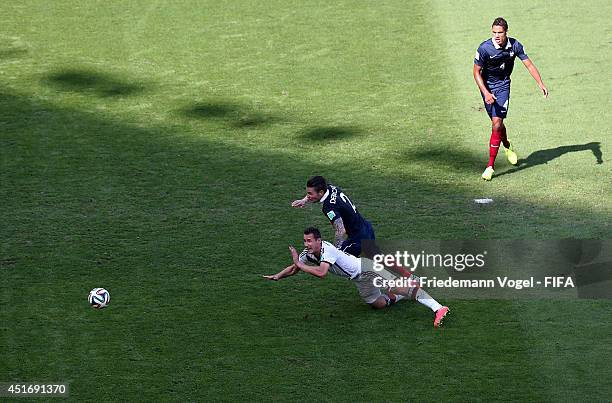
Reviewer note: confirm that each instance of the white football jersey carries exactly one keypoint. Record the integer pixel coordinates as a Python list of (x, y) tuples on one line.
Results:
[(341, 263)]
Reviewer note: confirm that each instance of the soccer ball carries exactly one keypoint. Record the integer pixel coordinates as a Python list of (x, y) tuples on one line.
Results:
[(99, 298)]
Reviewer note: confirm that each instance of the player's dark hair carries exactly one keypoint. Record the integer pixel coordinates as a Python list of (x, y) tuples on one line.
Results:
[(317, 182), (314, 231), (500, 22)]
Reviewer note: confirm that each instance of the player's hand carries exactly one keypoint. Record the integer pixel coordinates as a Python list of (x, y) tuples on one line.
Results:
[(298, 203), (273, 277), (544, 91), (489, 98), (294, 254)]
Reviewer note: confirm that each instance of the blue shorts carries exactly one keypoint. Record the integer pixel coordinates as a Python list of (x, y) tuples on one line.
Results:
[(499, 108), (352, 245)]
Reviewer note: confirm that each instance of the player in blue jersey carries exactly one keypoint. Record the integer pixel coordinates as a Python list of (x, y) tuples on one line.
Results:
[(320, 257), (350, 227), (493, 65)]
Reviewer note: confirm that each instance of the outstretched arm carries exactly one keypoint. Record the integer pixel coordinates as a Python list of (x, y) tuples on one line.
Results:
[(300, 203), (317, 271), (286, 272), (536, 75)]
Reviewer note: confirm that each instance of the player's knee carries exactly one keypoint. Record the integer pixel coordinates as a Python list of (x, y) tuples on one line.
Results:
[(379, 303), (497, 124)]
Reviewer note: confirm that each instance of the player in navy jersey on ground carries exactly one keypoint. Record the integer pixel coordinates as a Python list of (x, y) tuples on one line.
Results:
[(350, 227), (321, 257), (493, 65)]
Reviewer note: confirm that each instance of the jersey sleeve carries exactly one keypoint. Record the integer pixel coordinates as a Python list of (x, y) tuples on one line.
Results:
[(519, 50), (304, 258), (481, 56), (329, 255), (331, 213)]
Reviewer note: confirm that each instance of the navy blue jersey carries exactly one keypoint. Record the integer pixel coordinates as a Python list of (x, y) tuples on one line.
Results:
[(337, 205), (498, 62)]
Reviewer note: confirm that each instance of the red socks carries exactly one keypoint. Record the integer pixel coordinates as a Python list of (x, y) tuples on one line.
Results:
[(496, 137)]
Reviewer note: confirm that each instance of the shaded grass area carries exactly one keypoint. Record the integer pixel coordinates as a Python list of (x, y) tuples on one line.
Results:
[(328, 135), (232, 114), (88, 81), (154, 219)]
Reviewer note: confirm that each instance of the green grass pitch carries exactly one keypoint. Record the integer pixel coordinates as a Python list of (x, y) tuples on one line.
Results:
[(153, 148)]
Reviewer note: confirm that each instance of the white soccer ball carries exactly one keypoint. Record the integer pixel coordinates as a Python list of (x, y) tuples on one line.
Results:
[(99, 298)]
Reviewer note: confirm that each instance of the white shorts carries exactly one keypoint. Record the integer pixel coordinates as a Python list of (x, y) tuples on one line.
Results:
[(365, 285), (370, 293)]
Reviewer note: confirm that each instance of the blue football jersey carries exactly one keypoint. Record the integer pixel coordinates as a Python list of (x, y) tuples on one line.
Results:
[(337, 205), (497, 62)]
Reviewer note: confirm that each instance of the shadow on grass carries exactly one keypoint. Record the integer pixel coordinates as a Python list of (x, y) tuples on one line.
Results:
[(241, 116), (11, 53), (92, 82), (322, 134), (453, 158), (231, 113), (542, 157), (212, 110)]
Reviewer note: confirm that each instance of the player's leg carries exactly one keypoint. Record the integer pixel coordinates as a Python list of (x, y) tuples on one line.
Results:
[(497, 123), (370, 293), (381, 302), (504, 135), (369, 231), (375, 297), (492, 112), (369, 248), (510, 153), (497, 112), (416, 293), (352, 246)]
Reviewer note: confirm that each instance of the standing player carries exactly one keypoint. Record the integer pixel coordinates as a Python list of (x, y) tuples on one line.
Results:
[(493, 65), (320, 257), (350, 227)]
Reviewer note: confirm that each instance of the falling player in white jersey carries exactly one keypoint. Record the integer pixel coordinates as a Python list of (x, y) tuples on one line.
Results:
[(320, 257)]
